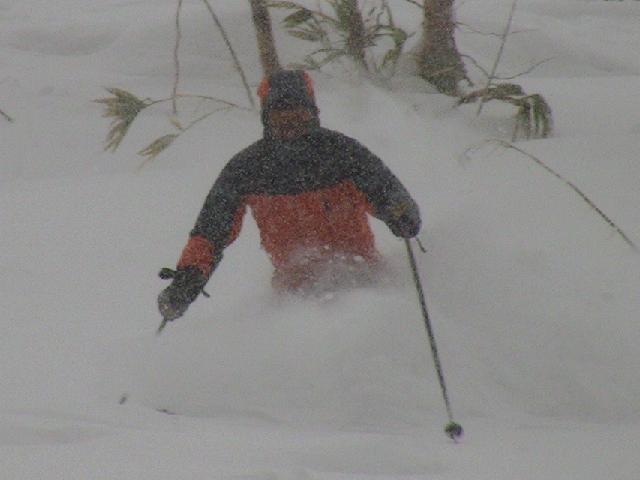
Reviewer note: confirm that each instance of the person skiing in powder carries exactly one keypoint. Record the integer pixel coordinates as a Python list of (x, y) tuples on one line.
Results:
[(309, 190)]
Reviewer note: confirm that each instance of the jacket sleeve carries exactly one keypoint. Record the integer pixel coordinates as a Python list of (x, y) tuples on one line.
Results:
[(218, 223), (389, 199)]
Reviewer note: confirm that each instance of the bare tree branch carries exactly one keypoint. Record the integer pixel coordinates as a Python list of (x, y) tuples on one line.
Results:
[(160, 144), (524, 72), (500, 77), (505, 34), (236, 62), (176, 59), (476, 64), (474, 30), (213, 99), (414, 2), (573, 187)]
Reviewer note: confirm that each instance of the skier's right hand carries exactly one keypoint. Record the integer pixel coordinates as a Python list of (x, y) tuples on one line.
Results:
[(404, 220), (187, 284)]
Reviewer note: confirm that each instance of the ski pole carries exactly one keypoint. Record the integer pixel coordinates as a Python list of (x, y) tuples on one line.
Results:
[(452, 428), (162, 325), (125, 396)]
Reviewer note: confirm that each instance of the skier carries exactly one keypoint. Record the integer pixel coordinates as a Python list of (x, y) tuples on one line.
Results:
[(309, 190)]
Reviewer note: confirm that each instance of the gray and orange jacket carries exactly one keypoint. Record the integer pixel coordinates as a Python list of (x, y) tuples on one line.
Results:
[(312, 192)]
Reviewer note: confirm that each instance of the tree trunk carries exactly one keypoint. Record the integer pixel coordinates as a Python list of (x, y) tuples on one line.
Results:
[(356, 41), (439, 61), (264, 33)]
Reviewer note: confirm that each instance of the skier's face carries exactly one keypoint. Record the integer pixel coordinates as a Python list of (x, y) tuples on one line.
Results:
[(291, 123)]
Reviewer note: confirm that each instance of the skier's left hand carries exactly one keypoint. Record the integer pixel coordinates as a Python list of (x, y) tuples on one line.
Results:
[(174, 300)]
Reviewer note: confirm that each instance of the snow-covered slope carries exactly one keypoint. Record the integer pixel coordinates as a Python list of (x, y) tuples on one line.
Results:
[(534, 298)]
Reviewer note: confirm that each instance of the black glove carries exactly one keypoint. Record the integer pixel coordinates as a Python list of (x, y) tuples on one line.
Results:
[(404, 221), (187, 284), (405, 227)]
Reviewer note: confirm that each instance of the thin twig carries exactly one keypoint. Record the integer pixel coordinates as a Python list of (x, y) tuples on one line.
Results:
[(236, 62), (414, 2), (468, 28), (212, 99), (524, 72), (476, 63), (205, 116), (499, 77), (573, 187), (475, 31), (201, 97), (183, 130), (176, 60), (7, 117), (505, 34)]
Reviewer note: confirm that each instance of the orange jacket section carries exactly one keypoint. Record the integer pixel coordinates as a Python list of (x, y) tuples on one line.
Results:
[(198, 253), (329, 221)]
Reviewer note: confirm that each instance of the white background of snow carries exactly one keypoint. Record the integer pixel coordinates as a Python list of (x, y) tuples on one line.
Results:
[(535, 301)]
